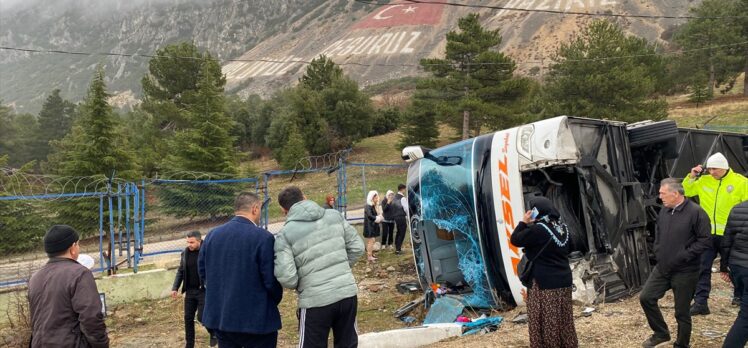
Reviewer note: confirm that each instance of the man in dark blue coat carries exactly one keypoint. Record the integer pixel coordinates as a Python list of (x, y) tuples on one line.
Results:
[(241, 292)]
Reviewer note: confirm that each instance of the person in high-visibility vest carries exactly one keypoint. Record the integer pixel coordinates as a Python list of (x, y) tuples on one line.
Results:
[(719, 189)]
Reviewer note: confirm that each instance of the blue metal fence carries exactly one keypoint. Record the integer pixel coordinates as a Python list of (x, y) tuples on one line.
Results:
[(146, 219)]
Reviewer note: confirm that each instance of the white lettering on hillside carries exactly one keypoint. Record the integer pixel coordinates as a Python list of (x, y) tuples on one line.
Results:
[(263, 67), (401, 42), (555, 5)]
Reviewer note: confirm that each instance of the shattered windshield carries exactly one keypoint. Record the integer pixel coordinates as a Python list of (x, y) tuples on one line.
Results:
[(448, 200)]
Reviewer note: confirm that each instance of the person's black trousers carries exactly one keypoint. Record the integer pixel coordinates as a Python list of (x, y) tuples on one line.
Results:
[(315, 324), (402, 229), (388, 229), (245, 340), (738, 334), (683, 286), (194, 301), (705, 278)]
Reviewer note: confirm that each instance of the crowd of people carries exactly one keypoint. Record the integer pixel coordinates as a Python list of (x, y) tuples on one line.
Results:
[(233, 280)]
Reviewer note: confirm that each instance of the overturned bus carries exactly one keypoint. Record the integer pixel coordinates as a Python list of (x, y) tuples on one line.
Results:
[(466, 198)]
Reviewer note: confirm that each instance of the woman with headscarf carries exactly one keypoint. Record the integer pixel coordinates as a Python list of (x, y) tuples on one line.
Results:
[(388, 224), (546, 241), (372, 220)]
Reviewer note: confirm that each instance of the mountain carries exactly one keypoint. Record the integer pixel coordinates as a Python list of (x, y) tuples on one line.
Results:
[(225, 27), (264, 44)]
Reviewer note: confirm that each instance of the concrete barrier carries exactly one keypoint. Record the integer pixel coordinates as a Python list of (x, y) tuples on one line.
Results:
[(409, 337), (120, 288), (129, 287)]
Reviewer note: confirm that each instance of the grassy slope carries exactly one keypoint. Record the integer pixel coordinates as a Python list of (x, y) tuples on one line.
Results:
[(730, 109)]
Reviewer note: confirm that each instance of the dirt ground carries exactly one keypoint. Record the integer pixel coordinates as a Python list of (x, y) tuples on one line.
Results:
[(620, 324)]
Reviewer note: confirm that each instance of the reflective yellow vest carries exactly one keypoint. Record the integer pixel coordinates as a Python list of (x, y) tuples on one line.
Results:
[(717, 197)]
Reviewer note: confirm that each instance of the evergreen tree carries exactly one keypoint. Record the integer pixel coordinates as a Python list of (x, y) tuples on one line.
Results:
[(328, 109), (17, 136), (27, 129), (710, 40), (385, 120), (95, 149), (320, 74), (584, 81), (205, 147), (348, 113), (419, 125), (251, 120), (168, 90), (699, 92), (7, 130), (294, 149), (21, 227), (55, 121), (473, 85), (307, 109)]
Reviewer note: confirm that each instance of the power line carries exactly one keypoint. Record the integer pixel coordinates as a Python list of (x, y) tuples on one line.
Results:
[(558, 12), (299, 61)]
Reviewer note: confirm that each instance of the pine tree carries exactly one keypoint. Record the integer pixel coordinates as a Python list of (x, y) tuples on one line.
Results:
[(205, 147), (95, 149), (710, 39), (699, 92), (294, 149), (21, 227), (419, 126), (320, 74), (473, 85), (624, 88), (17, 136), (169, 89), (55, 121)]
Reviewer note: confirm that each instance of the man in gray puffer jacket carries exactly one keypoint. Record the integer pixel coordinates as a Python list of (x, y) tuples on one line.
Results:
[(314, 253)]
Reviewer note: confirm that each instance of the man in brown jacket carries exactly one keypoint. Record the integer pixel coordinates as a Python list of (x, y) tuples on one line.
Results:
[(63, 299)]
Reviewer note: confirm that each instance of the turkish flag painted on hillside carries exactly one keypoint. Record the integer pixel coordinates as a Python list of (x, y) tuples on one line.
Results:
[(394, 15)]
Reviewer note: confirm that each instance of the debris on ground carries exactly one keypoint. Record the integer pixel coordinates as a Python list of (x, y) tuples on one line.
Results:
[(408, 287), (410, 306), (521, 318), (481, 326), (444, 310)]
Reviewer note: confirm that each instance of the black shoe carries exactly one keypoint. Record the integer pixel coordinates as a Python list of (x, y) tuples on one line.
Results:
[(699, 309), (398, 252), (736, 301), (213, 341), (653, 341)]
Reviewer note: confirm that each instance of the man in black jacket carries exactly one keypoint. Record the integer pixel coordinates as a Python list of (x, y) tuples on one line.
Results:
[(682, 235), (735, 251), (400, 215), (194, 299)]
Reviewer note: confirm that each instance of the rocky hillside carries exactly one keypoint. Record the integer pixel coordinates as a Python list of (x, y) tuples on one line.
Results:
[(264, 44), (225, 27)]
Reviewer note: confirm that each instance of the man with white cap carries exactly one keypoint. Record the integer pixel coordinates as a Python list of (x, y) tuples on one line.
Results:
[(718, 191)]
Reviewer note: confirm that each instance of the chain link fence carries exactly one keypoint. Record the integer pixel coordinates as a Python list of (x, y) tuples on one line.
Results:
[(31, 204), (176, 207), (123, 223)]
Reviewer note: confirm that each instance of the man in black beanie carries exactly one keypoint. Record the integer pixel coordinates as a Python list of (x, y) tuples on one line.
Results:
[(63, 298)]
